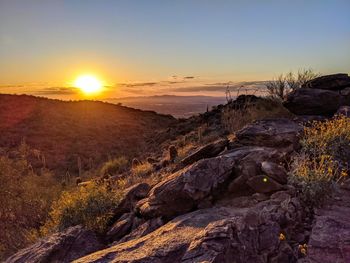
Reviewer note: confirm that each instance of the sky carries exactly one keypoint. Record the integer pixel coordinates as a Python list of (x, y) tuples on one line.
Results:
[(150, 47)]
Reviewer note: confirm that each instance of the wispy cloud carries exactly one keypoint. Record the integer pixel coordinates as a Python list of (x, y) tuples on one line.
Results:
[(56, 91)]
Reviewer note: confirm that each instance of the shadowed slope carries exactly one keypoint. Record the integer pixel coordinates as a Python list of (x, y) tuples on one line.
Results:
[(66, 132)]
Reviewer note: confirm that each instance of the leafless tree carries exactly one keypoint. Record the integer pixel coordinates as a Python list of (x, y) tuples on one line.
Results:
[(283, 84)]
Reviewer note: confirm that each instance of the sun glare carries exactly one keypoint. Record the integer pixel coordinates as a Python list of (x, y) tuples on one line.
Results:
[(88, 84)]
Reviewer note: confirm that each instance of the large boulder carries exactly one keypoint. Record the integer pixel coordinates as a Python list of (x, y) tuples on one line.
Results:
[(221, 234), (62, 247), (329, 82), (278, 133), (315, 101), (207, 151), (184, 190)]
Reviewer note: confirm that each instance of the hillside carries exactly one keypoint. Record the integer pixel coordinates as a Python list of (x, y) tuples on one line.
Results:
[(67, 133)]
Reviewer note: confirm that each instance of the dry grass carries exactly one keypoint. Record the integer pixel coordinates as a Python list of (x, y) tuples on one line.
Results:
[(114, 166), (329, 138), (142, 170), (236, 119)]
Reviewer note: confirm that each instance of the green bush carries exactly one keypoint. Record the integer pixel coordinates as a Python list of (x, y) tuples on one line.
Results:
[(91, 206)]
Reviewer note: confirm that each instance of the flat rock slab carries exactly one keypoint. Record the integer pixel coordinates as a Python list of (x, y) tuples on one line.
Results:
[(330, 237), (277, 133), (62, 247)]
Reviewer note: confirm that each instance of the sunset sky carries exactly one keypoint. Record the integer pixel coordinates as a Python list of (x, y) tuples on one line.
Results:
[(181, 47)]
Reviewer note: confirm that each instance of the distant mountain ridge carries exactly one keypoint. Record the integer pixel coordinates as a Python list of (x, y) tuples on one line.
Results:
[(178, 106)]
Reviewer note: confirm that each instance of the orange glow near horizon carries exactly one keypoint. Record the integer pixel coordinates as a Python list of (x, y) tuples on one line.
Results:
[(88, 84)]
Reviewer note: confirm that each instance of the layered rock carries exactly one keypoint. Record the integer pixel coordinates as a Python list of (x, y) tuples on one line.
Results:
[(329, 82), (62, 247), (207, 151), (219, 234)]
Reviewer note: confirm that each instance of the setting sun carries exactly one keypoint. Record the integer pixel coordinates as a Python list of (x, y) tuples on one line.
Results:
[(88, 84)]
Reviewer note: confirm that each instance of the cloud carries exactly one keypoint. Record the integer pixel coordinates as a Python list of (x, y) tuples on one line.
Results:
[(57, 91), (141, 84), (11, 86), (203, 88)]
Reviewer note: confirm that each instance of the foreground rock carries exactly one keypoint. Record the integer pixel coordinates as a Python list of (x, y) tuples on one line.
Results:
[(66, 246), (330, 238), (279, 133), (186, 189), (221, 234)]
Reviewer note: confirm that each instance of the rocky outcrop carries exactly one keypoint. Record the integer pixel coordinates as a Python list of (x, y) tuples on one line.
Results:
[(330, 238), (184, 190), (329, 82), (315, 102), (62, 247), (320, 96), (219, 234), (278, 133)]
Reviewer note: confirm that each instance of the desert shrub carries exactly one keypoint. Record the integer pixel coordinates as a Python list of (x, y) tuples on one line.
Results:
[(322, 161), (283, 84), (185, 150), (114, 166), (234, 119), (142, 169), (91, 206), (315, 178), (25, 199), (331, 137)]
